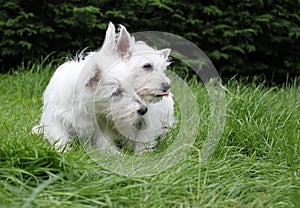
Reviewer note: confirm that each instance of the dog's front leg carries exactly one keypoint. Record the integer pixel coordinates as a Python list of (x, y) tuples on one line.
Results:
[(56, 133), (103, 142)]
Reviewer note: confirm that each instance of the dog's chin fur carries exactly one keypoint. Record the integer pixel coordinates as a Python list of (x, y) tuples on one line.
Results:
[(98, 97), (140, 124)]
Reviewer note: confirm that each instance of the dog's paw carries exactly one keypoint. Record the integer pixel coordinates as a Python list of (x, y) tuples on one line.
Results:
[(36, 130), (142, 148)]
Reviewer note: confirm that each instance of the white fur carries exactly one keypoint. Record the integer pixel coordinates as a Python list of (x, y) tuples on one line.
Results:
[(98, 97)]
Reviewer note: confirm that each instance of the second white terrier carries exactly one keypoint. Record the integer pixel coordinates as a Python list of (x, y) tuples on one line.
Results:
[(117, 93)]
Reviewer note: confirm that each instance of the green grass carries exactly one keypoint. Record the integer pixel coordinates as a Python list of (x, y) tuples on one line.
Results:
[(257, 162)]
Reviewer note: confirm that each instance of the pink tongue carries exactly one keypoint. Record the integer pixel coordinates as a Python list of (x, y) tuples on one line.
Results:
[(164, 94)]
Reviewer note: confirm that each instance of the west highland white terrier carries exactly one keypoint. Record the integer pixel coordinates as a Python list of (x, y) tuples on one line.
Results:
[(118, 93)]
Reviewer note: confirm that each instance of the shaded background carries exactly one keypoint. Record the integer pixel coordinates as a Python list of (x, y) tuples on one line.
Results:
[(241, 38)]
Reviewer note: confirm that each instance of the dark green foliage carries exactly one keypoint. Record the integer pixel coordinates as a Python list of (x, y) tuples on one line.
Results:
[(241, 37), (31, 29)]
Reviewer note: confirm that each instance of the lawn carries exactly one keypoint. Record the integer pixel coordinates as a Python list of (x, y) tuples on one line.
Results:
[(256, 164)]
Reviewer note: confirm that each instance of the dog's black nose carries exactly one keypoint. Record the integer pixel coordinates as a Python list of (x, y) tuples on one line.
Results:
[(142, 110), (165, 86)]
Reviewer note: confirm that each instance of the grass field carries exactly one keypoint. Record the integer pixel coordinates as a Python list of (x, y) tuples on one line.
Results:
[(257, 162)]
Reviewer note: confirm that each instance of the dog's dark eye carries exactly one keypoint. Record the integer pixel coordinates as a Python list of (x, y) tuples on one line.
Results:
[(147, 67), (119, 91)]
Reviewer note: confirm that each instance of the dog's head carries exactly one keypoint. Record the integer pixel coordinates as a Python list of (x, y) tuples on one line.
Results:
[(148, 76), (114, 100), (139, 64)]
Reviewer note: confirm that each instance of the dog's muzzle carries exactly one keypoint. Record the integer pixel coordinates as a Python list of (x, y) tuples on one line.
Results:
[(143, 110), (165, 87)]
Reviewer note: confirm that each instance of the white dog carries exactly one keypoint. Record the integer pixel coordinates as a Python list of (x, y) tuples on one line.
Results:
[(117, 93)]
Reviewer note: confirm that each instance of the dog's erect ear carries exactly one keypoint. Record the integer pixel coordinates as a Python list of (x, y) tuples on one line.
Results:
[(125, 43), (165, 52), (94, 78), (109, 41)]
